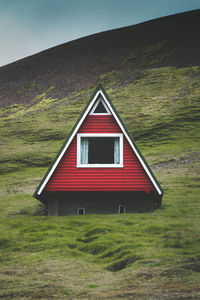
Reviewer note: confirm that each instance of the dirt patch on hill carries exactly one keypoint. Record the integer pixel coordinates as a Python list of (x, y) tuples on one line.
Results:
[(174, 163)]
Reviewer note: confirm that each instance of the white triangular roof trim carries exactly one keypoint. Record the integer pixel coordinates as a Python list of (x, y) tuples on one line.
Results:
[(99, 92), (95, 106)]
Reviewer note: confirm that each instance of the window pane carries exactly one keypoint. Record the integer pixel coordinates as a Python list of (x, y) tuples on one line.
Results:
[(122, 209), (84, 150), (101, 150), (100, 109), (116, 151)]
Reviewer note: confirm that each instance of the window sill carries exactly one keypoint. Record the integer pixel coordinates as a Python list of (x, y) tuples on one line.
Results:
[(99, 165)]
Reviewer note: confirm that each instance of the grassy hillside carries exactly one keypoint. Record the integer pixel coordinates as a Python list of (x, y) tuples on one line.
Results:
[(46, 257), (131, 256)]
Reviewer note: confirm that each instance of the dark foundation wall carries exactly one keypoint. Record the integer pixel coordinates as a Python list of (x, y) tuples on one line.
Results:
[(70, 203)]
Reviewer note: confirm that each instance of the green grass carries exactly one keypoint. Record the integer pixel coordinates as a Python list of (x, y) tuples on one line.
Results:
[(163, 108), (106, 252), (132, 256)]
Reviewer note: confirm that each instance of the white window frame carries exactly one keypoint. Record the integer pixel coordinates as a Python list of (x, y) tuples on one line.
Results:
[(122, 205), (100, 114), (80, 135), (79, 210)]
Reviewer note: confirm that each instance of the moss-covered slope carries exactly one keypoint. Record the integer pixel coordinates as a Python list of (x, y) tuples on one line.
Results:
[(160, 108)]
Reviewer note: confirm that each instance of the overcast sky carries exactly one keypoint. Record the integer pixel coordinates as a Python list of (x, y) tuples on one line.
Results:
[(30, 26)]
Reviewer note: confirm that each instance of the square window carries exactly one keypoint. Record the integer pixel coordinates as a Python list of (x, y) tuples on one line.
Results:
[(81, 211), (121, 209), (100, 150)]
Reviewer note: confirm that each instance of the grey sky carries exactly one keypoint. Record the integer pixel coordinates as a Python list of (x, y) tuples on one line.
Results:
[(30, 26)]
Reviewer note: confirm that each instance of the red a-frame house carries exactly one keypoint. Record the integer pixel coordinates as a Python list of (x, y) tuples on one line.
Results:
[(99, 168)]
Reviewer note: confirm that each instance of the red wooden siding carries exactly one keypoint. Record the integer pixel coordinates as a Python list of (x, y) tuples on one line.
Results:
[(67, 177)]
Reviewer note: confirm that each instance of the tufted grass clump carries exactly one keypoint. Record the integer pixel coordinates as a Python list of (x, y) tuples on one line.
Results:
[(123, 262)]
